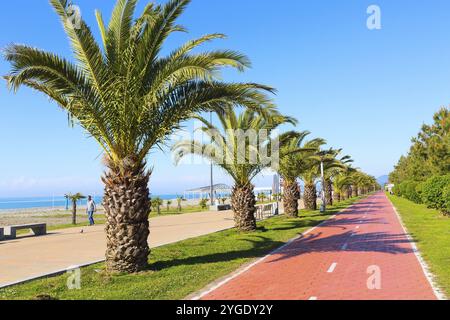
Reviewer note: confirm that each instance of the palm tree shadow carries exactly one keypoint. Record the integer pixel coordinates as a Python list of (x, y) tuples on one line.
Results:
[(259, 248), (369, 242), (313, 243)]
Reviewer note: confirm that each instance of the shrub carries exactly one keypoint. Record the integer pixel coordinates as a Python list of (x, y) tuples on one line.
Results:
[(410, 191), (396, 190), (446, 195), (204, 204), (433, 192), (419, 191)]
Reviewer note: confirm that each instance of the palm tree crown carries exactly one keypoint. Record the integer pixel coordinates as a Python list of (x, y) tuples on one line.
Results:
[(238, 147), (127, 95)]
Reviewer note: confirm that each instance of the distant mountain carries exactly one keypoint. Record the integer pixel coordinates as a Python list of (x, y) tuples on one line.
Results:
[(383, 180)]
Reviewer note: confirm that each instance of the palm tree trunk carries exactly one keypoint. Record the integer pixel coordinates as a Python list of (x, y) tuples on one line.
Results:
[(243, 202), (328, 192), (291, 196), (337, 196), (310, 197), (354, 191), (74, 213), (349, 192), (127, 206)]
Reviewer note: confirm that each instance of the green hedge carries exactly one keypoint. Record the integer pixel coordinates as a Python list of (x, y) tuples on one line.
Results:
[(446, 195), (411, 190), (436, 194)]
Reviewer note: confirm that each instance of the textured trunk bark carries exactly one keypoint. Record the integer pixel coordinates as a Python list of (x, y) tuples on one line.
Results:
[(74, 213), (310, 197), (328, 192), (349, 192), (291, 196), (243, 204), (127, 207)]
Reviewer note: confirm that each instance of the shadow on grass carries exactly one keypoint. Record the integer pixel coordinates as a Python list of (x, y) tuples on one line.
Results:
[(259, 249)]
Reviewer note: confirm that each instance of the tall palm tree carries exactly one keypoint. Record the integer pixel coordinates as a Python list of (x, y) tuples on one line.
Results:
[(293, 156), (332, 168), (130, 98), (312, 172), (74, 198), (341, 182), (231, 149)]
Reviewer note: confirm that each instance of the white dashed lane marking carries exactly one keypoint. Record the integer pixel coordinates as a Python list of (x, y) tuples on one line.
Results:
[(332, 268)]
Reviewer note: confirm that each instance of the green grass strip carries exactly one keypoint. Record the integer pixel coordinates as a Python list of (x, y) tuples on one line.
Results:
[(431, 232)]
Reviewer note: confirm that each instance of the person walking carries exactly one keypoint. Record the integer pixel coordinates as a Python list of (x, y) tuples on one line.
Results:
[(91, 209)]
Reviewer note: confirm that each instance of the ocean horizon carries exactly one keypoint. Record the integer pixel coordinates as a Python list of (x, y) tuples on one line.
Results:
[(14, 203)]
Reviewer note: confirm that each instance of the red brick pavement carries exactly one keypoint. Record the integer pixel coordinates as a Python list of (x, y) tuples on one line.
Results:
[(336, 260)]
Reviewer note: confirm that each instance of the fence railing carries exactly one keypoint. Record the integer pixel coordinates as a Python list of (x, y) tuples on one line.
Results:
[(265, 211)]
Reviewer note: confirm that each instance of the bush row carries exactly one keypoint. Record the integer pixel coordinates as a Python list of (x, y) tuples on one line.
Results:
[(434, 193)]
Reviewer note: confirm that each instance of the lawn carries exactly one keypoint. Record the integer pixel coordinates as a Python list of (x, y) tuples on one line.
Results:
[(179, 269), (431, 230)]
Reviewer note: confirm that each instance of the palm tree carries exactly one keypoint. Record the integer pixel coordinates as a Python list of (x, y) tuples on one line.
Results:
[(168, 203), (156, 204), (179, 201), (294, 154), (74, 198), (130, 98), (262, 197), (312, 173), (332, 168), (341, 182), (231, 150)]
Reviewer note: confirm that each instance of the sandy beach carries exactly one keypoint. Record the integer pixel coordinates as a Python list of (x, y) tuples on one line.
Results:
[(60, 216)]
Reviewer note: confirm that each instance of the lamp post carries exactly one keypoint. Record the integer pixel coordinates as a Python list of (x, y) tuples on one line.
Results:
[(212, 172), (323, 207)]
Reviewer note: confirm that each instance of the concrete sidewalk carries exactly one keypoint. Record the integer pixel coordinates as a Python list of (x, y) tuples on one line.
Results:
[(27, 258)]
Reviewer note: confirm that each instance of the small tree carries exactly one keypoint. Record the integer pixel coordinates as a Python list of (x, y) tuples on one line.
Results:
[(179, 201), (262, 197), (74, 198), (168, 203), (204, 204), (156, 204)]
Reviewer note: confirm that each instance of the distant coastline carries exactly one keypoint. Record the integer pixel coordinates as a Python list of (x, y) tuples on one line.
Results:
[(9, 205)]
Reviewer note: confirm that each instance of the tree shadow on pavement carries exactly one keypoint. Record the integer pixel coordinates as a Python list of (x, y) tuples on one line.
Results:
[(368, 242)]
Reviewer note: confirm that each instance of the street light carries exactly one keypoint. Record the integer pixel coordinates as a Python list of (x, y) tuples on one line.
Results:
[(212, 171), (323, 207)]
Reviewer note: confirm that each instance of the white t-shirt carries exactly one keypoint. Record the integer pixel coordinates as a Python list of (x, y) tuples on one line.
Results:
[(91, 206)]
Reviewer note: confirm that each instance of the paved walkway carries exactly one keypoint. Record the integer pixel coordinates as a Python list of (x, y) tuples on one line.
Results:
[(31, 257), (361, 254)]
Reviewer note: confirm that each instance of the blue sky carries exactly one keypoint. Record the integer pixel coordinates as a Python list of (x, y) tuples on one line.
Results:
[(365, 91)]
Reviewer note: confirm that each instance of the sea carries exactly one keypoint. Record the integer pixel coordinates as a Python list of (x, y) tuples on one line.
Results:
[(7, 204)]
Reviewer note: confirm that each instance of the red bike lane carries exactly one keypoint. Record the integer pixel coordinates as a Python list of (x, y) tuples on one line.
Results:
[(361, 254)]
